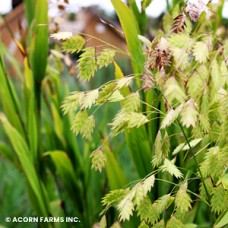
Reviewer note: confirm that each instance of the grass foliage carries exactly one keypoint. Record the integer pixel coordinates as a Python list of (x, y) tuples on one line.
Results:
[(171, 112)]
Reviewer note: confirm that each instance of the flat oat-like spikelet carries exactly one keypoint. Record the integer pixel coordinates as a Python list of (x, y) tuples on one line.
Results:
[(179, 23)]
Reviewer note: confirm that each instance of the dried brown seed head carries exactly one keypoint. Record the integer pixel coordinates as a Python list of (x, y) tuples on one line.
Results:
[(179, 23)]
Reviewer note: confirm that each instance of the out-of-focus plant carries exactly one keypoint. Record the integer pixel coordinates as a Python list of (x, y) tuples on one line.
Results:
[(54, 161), (173, 113)]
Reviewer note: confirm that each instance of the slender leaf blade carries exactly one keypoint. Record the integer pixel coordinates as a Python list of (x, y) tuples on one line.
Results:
[(40, 41), (23, 153), (131, 32)]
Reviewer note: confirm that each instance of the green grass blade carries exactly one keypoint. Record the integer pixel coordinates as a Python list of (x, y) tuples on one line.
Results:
[(29, 10), (222, 220), (9, 100), (131, 32), (57, 211), (153, 99), (138, 142), (115, 174), (66, 171), (58, 124), (140, 17), (40, 40), (31, 118), (24, 156)]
